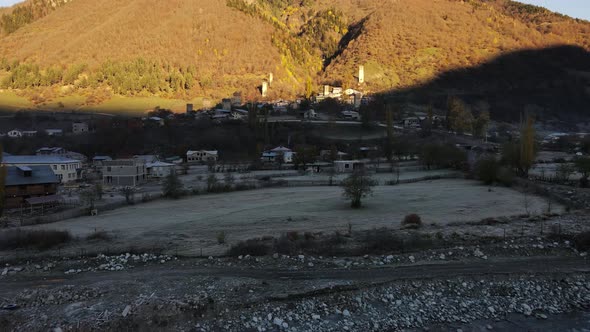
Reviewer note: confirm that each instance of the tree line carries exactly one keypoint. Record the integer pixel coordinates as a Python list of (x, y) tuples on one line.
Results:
[(124, 77), (27, 13)]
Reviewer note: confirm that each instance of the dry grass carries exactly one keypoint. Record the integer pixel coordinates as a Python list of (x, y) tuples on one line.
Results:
[(402, 43)]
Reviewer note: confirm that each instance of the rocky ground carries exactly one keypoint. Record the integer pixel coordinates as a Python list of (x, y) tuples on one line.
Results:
[(465, 287)]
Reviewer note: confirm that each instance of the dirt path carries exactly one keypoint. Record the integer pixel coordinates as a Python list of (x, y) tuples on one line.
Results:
[(170, 274)]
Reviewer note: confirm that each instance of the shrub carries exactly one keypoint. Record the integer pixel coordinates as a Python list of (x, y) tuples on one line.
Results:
[(505, 176), (292, 236), (221, 237), (412, 221), (487, 170), (39, 239), (381, 240), (99, 235), (252, 247), (582, 241)]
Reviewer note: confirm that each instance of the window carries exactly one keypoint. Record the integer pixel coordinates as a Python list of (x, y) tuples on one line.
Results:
[(109, 169), (55, 167), (346, 166), (63, 167)]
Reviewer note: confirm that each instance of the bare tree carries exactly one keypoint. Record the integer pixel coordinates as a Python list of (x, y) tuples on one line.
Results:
[(212, 183), (99, 190), (128, 193), (229, 181), (356, 187), (172, 186), (526, 202), (88, 197)]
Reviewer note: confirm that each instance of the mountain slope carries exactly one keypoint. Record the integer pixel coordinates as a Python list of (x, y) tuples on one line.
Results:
[(215, 47)]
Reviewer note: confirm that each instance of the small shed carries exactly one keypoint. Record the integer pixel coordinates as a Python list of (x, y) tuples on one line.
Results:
[(348, 166)]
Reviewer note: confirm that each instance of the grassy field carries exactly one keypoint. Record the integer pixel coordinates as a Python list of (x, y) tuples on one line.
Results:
[(139, 105), (194, 222), (10, 102)]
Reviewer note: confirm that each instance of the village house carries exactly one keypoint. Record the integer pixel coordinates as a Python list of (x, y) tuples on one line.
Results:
[(24, 183), (15, 133), (328, 155), (79, 128), (124, 172), (413, 122), (351, 115), (201, 156), (309, 114), (29, 133), (348, 166), (147, 158), (177, 160), (98, 161), (66, 169), (54, 132), (156, 119), (61, 152), (279, 154), (159, 169)]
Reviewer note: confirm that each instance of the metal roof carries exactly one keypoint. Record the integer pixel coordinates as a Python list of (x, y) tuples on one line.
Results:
[(13, 160), (158, 164), (39, 175)]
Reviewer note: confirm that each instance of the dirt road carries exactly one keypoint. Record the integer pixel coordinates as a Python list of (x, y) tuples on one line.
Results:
[(173, 273)]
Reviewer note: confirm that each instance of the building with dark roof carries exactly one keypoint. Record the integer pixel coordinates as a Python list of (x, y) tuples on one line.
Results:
[(67, 170), (24, 182)]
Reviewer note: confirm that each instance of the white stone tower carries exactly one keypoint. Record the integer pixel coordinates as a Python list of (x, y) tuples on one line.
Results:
[(361, 74)]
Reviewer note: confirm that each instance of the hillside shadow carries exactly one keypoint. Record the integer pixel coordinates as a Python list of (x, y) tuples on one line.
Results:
[(550, 82)]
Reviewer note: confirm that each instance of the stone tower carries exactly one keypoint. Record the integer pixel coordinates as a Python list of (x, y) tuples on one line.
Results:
[(361, 74), (264, 89)]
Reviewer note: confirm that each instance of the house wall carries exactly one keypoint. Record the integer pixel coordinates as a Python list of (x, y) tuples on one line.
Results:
[(15, 195), (116, 174), (123, 180), (200, 157), (79, 128), (161, 171)]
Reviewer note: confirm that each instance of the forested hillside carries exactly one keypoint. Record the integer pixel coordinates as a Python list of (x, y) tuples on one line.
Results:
[(186, 48)]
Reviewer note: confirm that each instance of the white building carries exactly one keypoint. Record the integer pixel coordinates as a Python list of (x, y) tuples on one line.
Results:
[(60, 152), (348, 166), (351, 115), (29, 133), (15, 133), (274, 155), (123, 172), (64, 168), (54, 132), (159, 169), (201, 156), (147, 158)]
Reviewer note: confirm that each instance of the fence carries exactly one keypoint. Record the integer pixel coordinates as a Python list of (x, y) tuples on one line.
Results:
[(83, 211), (334, 182)]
